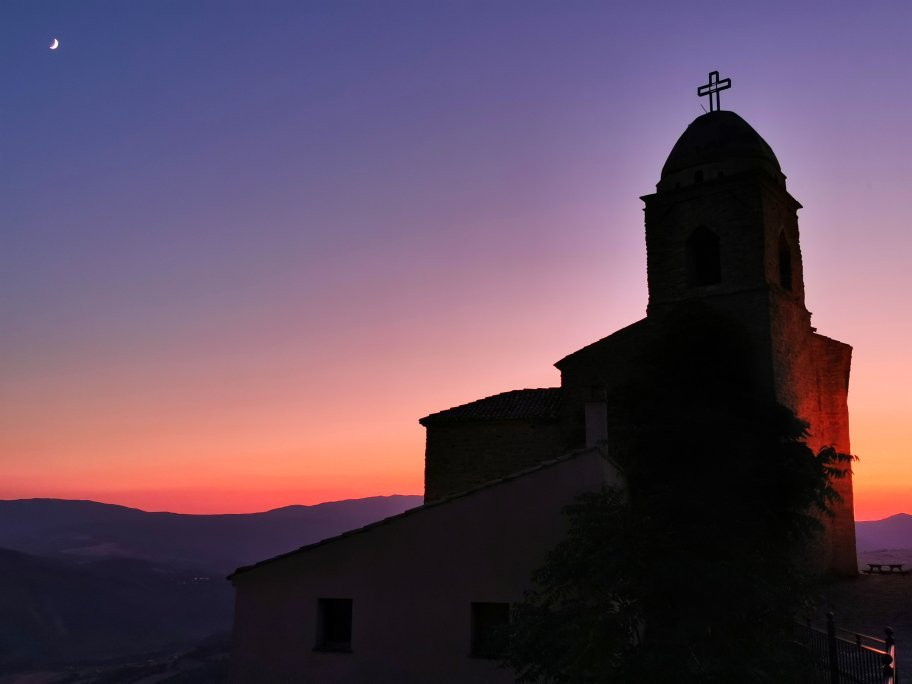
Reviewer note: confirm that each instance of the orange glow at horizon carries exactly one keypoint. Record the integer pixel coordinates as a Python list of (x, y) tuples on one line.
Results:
[(290, 450), (301, 419), (276, 414), (230, 292)]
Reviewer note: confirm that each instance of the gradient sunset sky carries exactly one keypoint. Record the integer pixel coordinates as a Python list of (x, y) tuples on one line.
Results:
[(246, 245)]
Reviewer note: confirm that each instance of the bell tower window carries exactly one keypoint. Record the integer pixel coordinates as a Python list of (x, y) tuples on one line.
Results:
[(703, 267), (785, 263)]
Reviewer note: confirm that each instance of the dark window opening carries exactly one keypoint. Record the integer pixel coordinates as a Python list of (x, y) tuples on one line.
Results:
[(698, 177), (490, 629), (703, 265), (785, 263), (334, 624)]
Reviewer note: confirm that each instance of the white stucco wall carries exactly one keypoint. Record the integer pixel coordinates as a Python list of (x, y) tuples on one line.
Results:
[(412, 581)]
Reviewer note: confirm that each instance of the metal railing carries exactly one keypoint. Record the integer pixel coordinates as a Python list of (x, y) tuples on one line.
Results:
[(843, 657)]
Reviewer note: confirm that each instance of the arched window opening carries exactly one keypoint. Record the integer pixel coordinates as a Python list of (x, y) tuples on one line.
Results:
[(703, 266), (785, 263)]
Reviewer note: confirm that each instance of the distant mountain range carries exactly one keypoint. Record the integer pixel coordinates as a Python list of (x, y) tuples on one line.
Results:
[(83, 530), (82, 582), (55, 612), (894, 532)]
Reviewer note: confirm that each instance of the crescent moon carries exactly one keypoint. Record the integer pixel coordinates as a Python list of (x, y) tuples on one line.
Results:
[(55, 44)]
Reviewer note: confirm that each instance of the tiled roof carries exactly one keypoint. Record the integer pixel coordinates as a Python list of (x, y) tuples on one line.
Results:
[(522, 404)]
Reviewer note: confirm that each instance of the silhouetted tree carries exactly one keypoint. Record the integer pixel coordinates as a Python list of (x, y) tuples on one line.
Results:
[(695, 571)]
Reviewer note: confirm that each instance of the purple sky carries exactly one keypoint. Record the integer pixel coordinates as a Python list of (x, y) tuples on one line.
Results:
[(246, 245)]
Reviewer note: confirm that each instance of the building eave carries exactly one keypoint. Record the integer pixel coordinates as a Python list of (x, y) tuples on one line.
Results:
[(419, 509)]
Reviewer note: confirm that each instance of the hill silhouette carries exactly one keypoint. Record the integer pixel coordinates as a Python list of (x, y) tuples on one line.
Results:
[(894, 532), (218, 543), (83, 582), (58, 612)]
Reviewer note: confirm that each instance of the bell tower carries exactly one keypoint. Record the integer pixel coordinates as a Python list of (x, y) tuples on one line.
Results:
[(722, 229), (721, 221)]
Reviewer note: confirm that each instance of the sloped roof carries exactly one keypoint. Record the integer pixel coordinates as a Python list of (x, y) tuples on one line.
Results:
[(631, 335), (521, 404), (434, 504)]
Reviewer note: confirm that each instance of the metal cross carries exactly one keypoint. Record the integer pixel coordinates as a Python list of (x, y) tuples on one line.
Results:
[(712, 89)]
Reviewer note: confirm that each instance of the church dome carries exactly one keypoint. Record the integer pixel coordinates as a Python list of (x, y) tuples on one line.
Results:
[(716, 144)]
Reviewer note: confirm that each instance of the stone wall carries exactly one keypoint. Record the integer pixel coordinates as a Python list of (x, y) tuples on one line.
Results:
[(464, 454), (811, 374), (733, 209), (830, 427), (597, 373)]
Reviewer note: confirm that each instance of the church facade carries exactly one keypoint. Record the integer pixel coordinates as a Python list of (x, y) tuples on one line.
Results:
[(417, 597)]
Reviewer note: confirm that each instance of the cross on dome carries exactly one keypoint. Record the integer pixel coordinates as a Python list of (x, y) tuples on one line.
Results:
[(712, 89)]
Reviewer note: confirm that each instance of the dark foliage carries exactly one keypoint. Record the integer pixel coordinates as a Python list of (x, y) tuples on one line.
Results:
[(695, 571)]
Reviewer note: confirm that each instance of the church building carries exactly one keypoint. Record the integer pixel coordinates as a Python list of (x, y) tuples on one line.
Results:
[(418, 597)]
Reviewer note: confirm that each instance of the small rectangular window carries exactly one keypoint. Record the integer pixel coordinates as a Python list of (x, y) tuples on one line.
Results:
[(490, 625), (334, 624)]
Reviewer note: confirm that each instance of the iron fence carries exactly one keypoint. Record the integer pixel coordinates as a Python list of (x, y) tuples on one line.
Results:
[(843, 657)]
